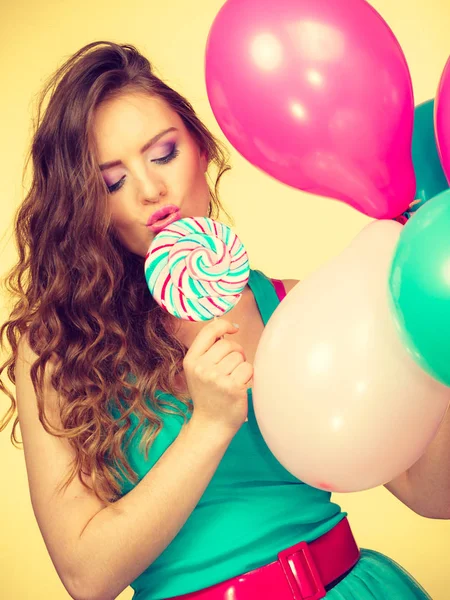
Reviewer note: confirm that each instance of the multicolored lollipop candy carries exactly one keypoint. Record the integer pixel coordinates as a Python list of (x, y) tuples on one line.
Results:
[(196, 269)]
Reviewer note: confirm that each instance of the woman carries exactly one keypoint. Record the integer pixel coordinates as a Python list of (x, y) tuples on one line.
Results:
[(144, 458)]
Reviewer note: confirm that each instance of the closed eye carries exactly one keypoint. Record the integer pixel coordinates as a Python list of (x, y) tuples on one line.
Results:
[(159, 161)]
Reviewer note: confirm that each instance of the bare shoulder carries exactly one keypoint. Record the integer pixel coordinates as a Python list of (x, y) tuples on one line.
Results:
[(289, 284)]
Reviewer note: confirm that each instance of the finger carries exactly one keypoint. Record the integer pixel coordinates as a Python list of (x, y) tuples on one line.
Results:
[(243, 374), (230, 362), (209, 335), (221, 349), (215, 319)]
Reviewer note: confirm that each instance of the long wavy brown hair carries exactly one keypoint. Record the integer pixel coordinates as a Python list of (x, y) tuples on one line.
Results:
[(79, 294)]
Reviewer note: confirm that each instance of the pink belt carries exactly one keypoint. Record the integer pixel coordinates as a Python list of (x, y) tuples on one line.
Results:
[(302, 572)]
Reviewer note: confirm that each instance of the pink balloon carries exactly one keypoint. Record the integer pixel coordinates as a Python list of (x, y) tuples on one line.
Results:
[(339, 400), (316, 93), (442, 119)]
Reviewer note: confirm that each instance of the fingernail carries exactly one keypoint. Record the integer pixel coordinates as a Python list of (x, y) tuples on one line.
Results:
[(236, 325)]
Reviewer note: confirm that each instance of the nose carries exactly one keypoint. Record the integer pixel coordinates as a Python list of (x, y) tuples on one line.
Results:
[(151, 188)]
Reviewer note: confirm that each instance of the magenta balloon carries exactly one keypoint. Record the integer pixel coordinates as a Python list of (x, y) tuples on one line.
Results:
[(316, 93), (442, 119)]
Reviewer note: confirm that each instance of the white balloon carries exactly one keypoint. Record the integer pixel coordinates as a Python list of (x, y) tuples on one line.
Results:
[(338, 399)]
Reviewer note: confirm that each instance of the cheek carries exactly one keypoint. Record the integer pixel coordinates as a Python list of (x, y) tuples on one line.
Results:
[(193, 173), (201, 185), (119, 212), (114, 211), (189, 175)]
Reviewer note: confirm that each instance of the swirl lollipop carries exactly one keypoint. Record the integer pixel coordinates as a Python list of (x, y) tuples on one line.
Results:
[(196, 269)]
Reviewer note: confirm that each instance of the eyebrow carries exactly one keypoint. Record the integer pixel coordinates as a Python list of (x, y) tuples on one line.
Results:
[(115, 163)]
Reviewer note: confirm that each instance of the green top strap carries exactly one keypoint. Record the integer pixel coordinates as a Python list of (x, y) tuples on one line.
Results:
[(264, 293)]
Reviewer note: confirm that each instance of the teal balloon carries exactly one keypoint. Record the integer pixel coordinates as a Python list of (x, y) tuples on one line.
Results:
[(430, 177), (419, 286)]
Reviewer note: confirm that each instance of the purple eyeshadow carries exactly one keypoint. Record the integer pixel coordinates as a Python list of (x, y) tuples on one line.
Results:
[(164, 150)]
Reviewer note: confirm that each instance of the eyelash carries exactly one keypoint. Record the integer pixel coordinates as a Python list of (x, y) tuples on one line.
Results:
[(159, 161)]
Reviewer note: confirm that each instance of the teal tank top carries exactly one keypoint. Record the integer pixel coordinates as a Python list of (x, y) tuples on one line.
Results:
[(252, 508)]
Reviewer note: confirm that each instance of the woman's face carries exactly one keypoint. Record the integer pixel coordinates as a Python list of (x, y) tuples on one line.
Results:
[(170, 171)]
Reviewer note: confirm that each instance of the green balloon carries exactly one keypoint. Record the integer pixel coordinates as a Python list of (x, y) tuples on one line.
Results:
[(419, 286), (430, 177)]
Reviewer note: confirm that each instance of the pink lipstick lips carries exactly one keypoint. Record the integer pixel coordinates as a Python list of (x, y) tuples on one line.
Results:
[(163, 217)]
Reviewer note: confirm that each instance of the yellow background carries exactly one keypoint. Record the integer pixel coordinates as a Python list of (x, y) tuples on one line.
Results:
[(287, 233)]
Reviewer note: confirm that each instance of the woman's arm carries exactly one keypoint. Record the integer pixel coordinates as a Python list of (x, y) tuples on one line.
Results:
[(425, 487), (128, 536), (98, 550)]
